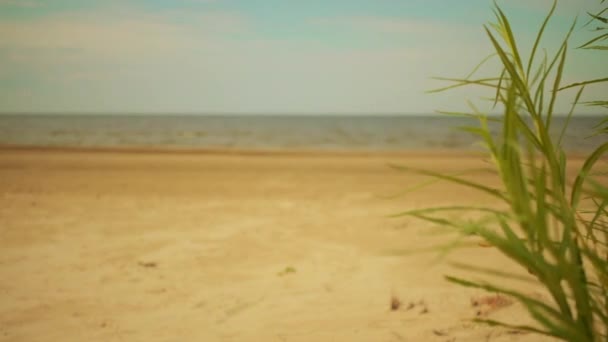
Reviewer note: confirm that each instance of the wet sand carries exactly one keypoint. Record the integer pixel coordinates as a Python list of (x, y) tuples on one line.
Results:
[(156, 246)]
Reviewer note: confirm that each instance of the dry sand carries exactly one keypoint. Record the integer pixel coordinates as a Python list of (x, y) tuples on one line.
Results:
[(108, 246)]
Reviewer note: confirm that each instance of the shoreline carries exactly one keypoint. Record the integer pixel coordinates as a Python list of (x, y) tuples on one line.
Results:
[(170, 150)]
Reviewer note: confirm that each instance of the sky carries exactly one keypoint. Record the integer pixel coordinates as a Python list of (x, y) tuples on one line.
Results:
[(264, 56)]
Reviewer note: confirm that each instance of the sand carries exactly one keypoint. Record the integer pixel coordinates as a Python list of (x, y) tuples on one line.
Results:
[(133, 246)]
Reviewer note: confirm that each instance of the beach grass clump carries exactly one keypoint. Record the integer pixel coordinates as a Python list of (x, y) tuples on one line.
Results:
[(552, 224)]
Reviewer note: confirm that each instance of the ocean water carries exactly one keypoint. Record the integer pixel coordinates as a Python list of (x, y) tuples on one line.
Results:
[(264, 132)]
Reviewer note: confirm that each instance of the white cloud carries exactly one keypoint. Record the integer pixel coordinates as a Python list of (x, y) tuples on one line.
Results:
[(181, 61), (393, 25), (115, 35), (569, 8), (20, 3)]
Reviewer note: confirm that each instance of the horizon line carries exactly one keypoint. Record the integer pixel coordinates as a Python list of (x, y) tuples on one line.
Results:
[(274, 114)]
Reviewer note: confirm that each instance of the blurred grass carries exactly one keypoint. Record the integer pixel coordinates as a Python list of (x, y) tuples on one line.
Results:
[(556, 230)]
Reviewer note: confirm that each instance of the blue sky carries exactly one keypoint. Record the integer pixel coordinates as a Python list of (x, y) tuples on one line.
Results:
[(258, 56)]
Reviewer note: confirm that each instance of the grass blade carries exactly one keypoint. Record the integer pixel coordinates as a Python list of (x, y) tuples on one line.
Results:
[(457, 180), (578, 84), (539, 37)]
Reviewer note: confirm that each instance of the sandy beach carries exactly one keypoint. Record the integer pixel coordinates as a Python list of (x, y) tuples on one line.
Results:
[(134, 246)]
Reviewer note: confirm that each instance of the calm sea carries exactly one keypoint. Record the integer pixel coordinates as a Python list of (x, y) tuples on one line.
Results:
[(263, 132)]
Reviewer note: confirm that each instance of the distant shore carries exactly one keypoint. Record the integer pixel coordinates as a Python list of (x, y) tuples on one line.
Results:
[(261, 134), (418, 153)]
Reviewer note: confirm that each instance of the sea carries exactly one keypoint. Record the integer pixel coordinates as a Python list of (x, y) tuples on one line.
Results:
[(306, 132)]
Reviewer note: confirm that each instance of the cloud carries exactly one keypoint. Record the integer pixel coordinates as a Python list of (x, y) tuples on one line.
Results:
[(186, 62), (131, 60), (391, 25), (567, 8), (20, 3), (116, 34)]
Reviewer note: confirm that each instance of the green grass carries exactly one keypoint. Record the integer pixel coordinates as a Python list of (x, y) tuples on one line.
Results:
[(555, 229)]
